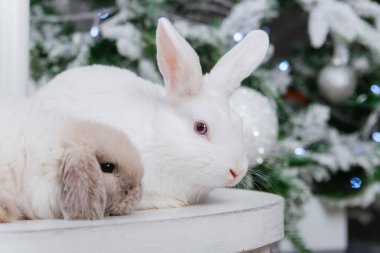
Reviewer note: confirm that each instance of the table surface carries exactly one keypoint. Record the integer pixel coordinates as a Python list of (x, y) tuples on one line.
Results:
[(229, 220)]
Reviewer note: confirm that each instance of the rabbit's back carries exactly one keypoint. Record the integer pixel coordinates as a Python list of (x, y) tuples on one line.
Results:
[(110, 95), (98, 85)]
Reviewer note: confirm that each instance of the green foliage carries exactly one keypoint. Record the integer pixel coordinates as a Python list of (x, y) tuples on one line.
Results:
[(208, 54), (47, 6), (105, 52), (338, 187), (296, 240), (39, 67), (101, 3), (270, 178), (36, 67), (376, 174), (320, 146)]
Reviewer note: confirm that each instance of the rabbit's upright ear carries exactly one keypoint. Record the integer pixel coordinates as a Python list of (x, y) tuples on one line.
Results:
[(178, 63), (238, 63), (83, 192)]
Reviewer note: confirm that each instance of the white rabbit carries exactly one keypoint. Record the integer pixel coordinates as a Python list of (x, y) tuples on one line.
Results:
[(189, 138), (58, 167)]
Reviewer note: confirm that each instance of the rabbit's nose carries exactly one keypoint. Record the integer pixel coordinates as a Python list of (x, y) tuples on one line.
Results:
[(234, 173)]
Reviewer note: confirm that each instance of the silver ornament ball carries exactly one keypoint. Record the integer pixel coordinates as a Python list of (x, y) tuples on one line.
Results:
[(260, 124), (336, 82)]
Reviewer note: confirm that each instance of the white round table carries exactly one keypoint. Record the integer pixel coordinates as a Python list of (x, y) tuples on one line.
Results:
[(228, 221)]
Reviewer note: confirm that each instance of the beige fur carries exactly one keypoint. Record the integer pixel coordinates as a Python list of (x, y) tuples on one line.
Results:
[(50, 168), (8, 212), (98, 144)]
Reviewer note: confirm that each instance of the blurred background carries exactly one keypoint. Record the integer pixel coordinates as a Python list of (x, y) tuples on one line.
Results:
[(315, 139)]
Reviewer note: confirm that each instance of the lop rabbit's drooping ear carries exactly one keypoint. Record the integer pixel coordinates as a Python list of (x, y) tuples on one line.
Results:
[(83, 191), (239, 62), (178, 63)]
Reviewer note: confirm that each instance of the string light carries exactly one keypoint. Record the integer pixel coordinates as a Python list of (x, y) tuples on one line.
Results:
[(284, 65), (238, 37), (299, 151), (375, 89), (103, 14), (259, 160), (376, 136), (356, 183), (94, 31), (361, 98)]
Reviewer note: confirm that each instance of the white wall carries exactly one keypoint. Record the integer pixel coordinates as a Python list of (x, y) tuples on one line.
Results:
[(14, 47)]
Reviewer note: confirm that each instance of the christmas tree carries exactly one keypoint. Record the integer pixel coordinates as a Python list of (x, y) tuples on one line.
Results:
[(317, 131)]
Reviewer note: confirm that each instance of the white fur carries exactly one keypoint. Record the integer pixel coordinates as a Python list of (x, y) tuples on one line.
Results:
[(27, 176), (50, 166), (180, 165)]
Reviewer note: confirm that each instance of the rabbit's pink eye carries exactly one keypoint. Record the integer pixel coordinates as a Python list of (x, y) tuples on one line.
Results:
[(200, 127)]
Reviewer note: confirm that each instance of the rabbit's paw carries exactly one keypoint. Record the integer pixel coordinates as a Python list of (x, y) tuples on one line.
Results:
[(160, 202)]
